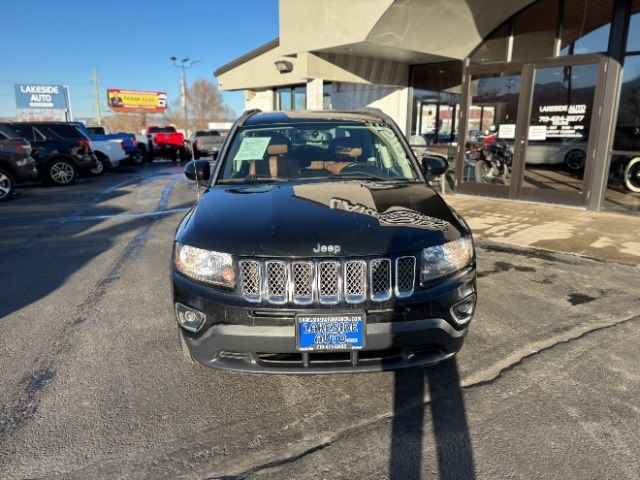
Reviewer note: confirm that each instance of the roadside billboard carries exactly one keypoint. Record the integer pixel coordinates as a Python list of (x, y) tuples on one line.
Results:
[(136, 101), (41, 102)]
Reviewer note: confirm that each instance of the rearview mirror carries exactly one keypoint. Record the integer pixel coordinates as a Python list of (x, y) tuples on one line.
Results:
[(433, 166), (199, 170)]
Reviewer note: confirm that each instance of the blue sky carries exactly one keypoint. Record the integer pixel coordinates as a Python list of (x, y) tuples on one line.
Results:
[(129, 43)]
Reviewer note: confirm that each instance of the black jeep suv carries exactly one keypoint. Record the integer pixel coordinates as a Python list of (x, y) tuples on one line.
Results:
[(60, 150), (318, 246)]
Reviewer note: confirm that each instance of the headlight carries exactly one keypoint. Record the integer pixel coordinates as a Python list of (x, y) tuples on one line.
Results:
[(446, 259), (205, 265)]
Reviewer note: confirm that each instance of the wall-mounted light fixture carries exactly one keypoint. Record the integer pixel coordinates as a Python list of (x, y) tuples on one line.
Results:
[(283, 66)]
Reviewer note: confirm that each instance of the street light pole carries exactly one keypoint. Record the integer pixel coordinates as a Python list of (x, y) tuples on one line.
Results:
[(183, 65)]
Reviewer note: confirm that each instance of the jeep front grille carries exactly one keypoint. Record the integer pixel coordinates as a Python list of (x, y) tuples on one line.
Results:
[(327, 282)]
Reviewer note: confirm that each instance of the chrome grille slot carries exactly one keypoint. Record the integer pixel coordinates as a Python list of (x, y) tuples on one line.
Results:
[(405, 276), (329, 282), (250, 280), (302, 274), (355, 281), (276, 281), (304, 282), (380, 279)]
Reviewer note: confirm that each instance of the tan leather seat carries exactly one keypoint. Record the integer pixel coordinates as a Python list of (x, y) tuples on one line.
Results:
[(276, 163), (342, 151), (279, 164)]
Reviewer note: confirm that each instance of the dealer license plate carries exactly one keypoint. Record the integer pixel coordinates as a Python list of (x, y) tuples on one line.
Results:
[(330, 332)]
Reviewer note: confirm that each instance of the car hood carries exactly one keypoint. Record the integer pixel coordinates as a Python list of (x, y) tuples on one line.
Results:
[(294, 219)]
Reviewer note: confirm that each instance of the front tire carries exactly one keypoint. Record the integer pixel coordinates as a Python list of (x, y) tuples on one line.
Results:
[(7, 185), (632, 175), (482, 170), (102, 165), (575, 160), (61, 172)]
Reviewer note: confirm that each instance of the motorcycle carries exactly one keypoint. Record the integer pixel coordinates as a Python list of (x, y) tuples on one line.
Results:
[(493, 162)]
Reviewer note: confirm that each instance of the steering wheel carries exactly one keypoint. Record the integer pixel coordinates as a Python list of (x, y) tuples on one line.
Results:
[(364, 168)]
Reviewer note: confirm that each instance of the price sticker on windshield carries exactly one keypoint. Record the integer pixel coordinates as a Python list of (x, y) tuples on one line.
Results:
[(252, 148)]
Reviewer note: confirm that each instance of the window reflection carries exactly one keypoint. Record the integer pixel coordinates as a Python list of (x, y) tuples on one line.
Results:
[(494, 48), (628, 127), (585, 26), (633, 40)]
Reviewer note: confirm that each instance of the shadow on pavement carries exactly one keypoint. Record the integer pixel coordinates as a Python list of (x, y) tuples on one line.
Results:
[(448, 416)]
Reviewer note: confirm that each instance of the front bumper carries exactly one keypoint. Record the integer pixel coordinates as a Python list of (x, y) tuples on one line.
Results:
[(416, 331), (390, 346)]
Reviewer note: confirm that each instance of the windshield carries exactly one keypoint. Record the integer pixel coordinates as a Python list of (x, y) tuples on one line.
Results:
[(162, 130), (316, 151), (209, 133)]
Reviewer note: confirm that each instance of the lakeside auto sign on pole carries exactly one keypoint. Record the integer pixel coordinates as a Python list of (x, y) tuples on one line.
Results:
[(136, 101), (41, 102)]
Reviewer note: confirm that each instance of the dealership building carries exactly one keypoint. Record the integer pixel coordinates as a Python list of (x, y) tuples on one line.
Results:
[(556, 81)]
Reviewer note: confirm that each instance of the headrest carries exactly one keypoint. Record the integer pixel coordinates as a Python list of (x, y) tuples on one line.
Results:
[(345, 147), (277, 149)]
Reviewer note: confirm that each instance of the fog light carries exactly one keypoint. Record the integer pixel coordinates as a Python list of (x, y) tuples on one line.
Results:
[(463, 311), (189, 318)]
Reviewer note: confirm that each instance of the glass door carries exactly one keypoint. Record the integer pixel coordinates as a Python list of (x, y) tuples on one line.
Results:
[(557, 139), (530, 129), (490, 134)]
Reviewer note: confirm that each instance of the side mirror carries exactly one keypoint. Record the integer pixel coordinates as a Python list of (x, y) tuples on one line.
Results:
[(198, 170), (433, 166)]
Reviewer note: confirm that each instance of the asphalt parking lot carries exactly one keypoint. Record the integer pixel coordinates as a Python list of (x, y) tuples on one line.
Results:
[(93, 385)]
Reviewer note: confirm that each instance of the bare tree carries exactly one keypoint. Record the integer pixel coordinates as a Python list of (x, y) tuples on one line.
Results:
[(204, 104)]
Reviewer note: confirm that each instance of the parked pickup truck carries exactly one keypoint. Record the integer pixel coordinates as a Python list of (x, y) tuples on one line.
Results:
[(165, 142), (109, 152), (100, 132)]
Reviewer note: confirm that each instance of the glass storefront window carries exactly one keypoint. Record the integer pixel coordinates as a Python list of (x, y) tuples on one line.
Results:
[(284, 99), (436, 101), (327, 88), (534, 31), (633, 40), (585, 26), (435, 116), (292, 98), (623, 187), (627, 136), (300, 98), (494, 48)]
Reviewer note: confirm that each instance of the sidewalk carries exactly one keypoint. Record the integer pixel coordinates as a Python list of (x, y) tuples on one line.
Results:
[(604, 236)]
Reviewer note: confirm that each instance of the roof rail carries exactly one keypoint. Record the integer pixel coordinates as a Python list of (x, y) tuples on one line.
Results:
[(246, 115)]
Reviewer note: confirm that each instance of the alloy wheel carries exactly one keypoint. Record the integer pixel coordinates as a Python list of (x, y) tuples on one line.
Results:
[(62, 173), (5, 185)]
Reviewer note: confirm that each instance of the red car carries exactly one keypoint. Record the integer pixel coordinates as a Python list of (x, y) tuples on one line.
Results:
[(166, 142)]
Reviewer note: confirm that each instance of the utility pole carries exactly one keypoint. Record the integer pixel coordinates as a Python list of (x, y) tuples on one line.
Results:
[(96, 92), (183, 65)]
